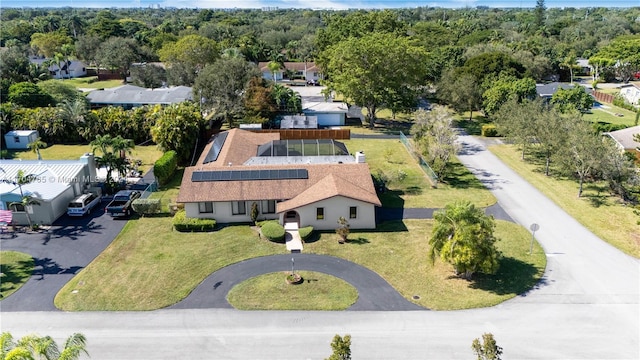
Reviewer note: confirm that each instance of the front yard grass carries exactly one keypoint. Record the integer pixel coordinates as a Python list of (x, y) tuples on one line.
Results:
[(147, 154), (15, 270), (149, 266), (91, 82), (414, 191), (318, 291), (597, 210)]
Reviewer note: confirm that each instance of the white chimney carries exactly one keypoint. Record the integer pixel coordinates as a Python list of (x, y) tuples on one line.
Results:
[(360, 159)]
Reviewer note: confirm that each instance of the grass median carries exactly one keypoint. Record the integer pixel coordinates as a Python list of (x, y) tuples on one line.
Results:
[(598, 210), (15, 270)]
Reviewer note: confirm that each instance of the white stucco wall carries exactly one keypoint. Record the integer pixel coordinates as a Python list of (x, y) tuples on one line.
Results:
[(222, 212), (334, 208), (631, 94), (328, 119)]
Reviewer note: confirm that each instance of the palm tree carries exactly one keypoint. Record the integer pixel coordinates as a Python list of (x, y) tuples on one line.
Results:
[(36, 145), (75, 112), (34, 347), (274, 66), (570, 63), (122, 146), (109, 147)]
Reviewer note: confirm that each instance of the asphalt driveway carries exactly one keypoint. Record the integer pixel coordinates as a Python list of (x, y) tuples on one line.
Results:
[(59, 253)]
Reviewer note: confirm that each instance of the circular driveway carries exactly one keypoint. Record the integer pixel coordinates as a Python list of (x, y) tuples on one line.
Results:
[(374, 293)]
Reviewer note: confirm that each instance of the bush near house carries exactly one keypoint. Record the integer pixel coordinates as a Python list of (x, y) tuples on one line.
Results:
[(305, 232), (165, 167), (146, 206), (184, 224), (272, 231)]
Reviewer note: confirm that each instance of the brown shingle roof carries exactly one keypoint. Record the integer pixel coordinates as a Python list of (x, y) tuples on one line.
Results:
[(351, 180)]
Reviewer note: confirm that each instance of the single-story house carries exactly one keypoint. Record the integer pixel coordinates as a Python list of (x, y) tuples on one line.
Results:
[(546, 91), (55, 184), (309, 182), (20, 139), (624, 138), (129, 96), (307, 71), (299, 122), (328, 113), (631, 93), (64, 69)]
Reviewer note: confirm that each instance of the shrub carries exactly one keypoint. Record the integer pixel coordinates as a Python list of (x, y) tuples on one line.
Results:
[(146, 206), (184, 224), (400, 176), (621, 102), (602, 127), (489, 130), (273, 231), (165, 167), (305, 232), (380, 180)]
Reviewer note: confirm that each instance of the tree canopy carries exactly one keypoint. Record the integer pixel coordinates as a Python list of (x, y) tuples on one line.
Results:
[(374, 70)]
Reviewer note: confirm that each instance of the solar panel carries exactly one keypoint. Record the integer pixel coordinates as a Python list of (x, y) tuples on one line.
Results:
[(216, 147), (247, 175)]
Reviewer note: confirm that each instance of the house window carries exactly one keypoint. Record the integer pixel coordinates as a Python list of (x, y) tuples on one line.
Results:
[(353, 212), (16, 139), (268, 206), (319, 213), (238, 208), (16, 207), (205, 207)]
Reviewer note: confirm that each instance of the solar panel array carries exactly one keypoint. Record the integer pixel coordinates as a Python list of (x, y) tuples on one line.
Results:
[(247, 175), (213, 153)]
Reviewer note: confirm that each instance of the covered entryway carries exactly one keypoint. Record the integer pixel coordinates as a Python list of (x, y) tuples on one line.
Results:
[(292, 216)]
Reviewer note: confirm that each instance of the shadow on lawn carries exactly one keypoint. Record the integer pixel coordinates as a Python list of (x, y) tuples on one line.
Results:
[(513, 277), (14, 274), (460, 178)]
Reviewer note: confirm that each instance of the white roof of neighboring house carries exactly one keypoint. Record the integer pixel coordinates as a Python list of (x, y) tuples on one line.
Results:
[(551, 88), (325, 107), (624, 137), (21, 132), (583, 63), (52, 177), (129, 94)]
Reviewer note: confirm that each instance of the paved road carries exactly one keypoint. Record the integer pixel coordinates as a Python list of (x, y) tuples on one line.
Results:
[(374, 293), (586, 307), (69, 246)]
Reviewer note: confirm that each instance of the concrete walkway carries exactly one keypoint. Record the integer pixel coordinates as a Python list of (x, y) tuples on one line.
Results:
[(374, 293), (292, 237)]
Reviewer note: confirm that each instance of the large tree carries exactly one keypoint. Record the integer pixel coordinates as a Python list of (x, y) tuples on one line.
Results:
[(513, 121), (625, 52), (221, 86), (195, 51), (119, 53), (462, 92), (505, 88), (435, 137), (48, 44), (372, 71), (463, 236), (574, 99), (177, 127), (29, 95)]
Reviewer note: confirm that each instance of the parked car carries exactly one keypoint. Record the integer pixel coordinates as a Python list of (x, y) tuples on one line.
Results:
[(120, 206), (83, 204)]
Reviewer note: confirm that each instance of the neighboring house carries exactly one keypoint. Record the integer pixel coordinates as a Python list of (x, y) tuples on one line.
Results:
[(56, 183), (299, 122), (307, 71), (129, 96), (310, 182), (631, 93), (20, 139), (624, 138), (546, 91), (327, 113), (584, 67), (63, 70)]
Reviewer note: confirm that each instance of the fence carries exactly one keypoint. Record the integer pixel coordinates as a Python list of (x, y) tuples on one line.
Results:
[(153, 187), (298, 134), (602, 97), (433, 178)]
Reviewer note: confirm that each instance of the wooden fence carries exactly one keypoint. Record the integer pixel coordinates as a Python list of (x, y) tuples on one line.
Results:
[(602, 97), (301, 134)]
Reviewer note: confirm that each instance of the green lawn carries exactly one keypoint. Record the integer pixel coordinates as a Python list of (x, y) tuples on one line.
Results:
[(608, 115), (318, 291), (91, 82), (15, 269), (148, 154), (597, 210), (415, 191)]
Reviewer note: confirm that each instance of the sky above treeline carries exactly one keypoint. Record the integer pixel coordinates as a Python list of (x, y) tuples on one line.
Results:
[(315, 4)]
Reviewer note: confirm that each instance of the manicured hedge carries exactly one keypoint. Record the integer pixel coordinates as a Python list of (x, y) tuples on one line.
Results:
[(146, 206), (305, 232), (184, 224), (273, 231), (489, 130), (166, 166)]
